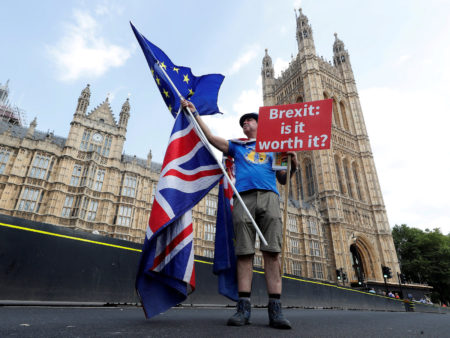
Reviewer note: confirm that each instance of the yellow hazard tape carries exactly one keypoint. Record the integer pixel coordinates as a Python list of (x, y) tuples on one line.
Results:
[(340, 287), (196, 260), (68, 237)]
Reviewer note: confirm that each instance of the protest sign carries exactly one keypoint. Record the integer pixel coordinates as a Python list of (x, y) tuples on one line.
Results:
[(294, 127)]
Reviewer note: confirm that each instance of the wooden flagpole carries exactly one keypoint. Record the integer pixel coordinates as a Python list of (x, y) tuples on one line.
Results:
[(285, 214)]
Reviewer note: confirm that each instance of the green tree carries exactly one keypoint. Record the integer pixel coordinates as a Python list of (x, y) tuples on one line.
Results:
[(425, 257)]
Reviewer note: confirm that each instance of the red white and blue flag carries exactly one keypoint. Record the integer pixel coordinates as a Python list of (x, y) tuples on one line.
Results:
[(166, 273), (224, 257)]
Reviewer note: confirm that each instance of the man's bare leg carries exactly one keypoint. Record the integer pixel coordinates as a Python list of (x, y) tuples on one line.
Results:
[(272, 269), (245, 273)]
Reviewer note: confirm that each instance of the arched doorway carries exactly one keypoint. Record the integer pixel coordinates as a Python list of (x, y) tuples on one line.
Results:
[(357, 264)]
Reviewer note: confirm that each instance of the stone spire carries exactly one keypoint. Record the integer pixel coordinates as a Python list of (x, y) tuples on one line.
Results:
[(30, 131), (268, 79), (341, 58), (149, 158), (267, 67), (305, 39), (340, 54), (124, 114), (83, 101)]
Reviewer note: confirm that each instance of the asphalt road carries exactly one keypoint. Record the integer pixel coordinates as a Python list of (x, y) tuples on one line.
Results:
[(26, 321)]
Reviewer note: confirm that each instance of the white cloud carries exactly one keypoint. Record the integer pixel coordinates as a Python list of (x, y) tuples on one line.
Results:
[(82, 52), (279, 66), (244, 59)]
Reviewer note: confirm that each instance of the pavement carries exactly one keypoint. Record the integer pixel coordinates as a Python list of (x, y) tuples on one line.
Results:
[(46, 321)]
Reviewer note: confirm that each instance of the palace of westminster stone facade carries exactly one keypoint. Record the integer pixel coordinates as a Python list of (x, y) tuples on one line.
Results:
[(336, 214)]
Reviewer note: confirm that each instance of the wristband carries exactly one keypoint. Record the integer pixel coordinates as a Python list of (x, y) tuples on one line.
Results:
[(195, 113)]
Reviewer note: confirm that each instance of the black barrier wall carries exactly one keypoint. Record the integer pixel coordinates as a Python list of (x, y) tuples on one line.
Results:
[(43, 262), (47, 263)]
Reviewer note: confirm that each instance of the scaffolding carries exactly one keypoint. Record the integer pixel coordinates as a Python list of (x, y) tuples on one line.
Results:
[(8, 112)]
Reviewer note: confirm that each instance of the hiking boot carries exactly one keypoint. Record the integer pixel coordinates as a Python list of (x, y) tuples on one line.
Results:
[(242, 315), (276, 317)]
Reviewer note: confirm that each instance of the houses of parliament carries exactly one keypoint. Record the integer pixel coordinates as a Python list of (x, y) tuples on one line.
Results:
[(336, 215)]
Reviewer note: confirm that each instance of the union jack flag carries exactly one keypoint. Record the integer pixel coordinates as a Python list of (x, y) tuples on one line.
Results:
[(166, 273)]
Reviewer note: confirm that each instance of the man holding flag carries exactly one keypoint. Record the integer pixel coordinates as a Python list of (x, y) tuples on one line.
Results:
[(256, 183), (166, 271)]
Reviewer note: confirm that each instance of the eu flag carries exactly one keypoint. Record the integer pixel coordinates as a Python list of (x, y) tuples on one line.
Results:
[(201, 90)]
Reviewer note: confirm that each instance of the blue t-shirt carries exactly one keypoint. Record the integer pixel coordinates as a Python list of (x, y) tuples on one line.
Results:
[(253, 170)]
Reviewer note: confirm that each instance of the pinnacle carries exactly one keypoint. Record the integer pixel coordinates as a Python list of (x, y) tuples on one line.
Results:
[(34, 122)]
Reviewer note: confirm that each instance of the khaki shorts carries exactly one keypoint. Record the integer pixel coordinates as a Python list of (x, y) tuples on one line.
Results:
[(264, 206)]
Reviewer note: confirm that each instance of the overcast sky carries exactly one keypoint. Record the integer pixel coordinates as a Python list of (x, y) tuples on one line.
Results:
[(399, 50)]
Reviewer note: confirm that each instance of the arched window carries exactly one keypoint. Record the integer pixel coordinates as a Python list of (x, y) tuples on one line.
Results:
[(309, 177), (357, 181), (337, 119), (344, 116), (299, 183), (338, 174), (347, 179), (299, 99)]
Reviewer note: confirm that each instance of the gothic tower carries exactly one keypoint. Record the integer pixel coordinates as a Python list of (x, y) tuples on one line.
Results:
[(341, 182), (268, 80), (304, 34), (98, 130)]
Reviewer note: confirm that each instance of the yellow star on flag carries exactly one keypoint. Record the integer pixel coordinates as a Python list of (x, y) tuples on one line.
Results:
[(153, 71), (163, 65), (175, 69), (186, 78), (170, 108), (166, 93), (157, 80), (191, 92)]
